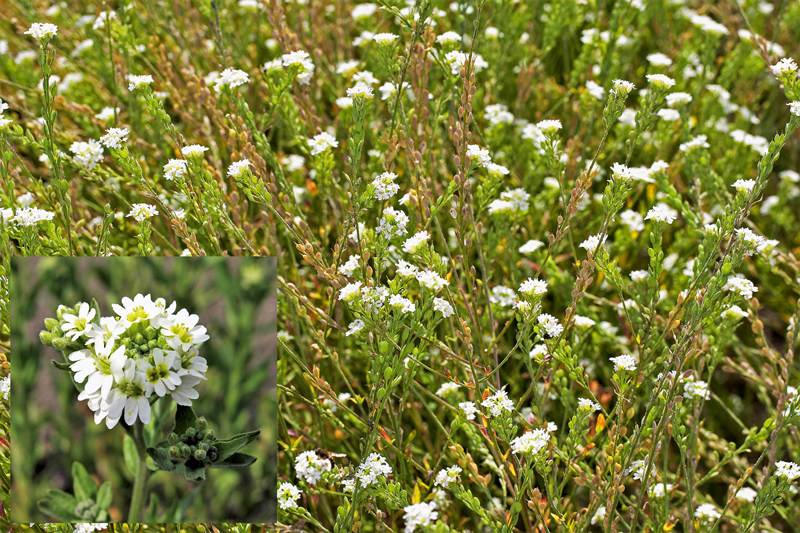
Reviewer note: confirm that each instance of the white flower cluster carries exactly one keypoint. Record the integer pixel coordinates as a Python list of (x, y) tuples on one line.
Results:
[(231, 78), (310, 466), (288, 495), (146, 349), (87, 154), (374, 468), (531, 443), (419, 514), (42, 30), (513, 201), (788, 470), (498, 403)]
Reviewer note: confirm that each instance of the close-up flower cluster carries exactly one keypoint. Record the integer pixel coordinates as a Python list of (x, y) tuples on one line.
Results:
[(125, 362)]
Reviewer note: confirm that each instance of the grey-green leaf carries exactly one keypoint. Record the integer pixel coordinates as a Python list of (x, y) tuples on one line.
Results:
[(84, 487), (237, 460), (162, 459), (184, 419)]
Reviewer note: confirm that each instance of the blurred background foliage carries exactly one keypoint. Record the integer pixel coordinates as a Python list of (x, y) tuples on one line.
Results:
[(235, 299)]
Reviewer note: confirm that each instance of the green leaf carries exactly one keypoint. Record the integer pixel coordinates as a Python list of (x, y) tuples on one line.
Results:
[(194, 470), (152, 517), (226, 448), (84, 487), (162, 459), (237, 460), (60, 366), (60, 505), (104, 495), (130, 454), (184, 419)]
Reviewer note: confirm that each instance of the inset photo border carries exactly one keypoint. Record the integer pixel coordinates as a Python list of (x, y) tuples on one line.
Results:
[(144, 390)]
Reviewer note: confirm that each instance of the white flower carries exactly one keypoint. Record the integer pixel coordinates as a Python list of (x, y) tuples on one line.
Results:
[(360, 90), (498, 402), (659, 60), (660, 490), (697, 389), (402, 303), (697, 142), (447, 476), (406, 269), (322, 142), (134, 81), (40, 30), (784, 66), (469, 409), (503, 296), (87, 154), (127, 397), (310, 466), (182, 331), (350, 292), (76, 325), (384, 186), (678, 98), (639, 275), (662, 213), (443, 306), (30, 216), (670, 115), (194, 150), (288, 495), (393, 223), (372, 469), (237, 168), (621, 88), (584, 322), (599, 515), (175, 168), (349, 266), (531, 443), (595, 90), (746, 494), (538, 350), (534, 287), (231, 78), (707, 513), (734, 311), (114, 137), (301, 61), (741, 286), (458, 60), (660, 81), (474, 151), (142, 212), (788, 470), (161, 375), (89, 528), (354, 327), (530, 246), (584, 404), (447, 387), (624, 362), (550, 324), (384, 38), (431, 280), (419, 514), (549, 126), (794, 108), (5, 386), (448, 37), (592, 242)]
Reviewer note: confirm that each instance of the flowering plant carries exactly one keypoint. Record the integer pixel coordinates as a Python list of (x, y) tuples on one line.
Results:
[(122, 365)]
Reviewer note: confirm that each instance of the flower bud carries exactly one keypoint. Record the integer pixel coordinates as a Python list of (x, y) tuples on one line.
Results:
[(204, 446), (162, 343), (191, 433), (199, 454), (150, 333), (46, 337), (50, 323), (139, 339), (184, 450), (152, 345), (208, 435), (173, 438), (174, 452), (60, 344), (201, 424), (212, 454)]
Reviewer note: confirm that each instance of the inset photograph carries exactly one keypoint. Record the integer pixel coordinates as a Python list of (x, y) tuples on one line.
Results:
[(144, 390)]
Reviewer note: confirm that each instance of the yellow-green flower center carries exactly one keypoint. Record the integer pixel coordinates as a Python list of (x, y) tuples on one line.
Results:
[(138, 312), (182, 332), (157, 373)]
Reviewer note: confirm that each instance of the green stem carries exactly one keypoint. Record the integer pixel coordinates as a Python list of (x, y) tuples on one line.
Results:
[(140, 482)]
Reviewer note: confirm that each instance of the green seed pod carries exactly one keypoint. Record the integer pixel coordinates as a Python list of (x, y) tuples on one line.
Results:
[(46, 337), (150, 333), (201, 424), (200, 454)]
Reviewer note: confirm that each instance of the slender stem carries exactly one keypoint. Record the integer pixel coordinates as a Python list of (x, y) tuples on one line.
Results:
[(140, 482)]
